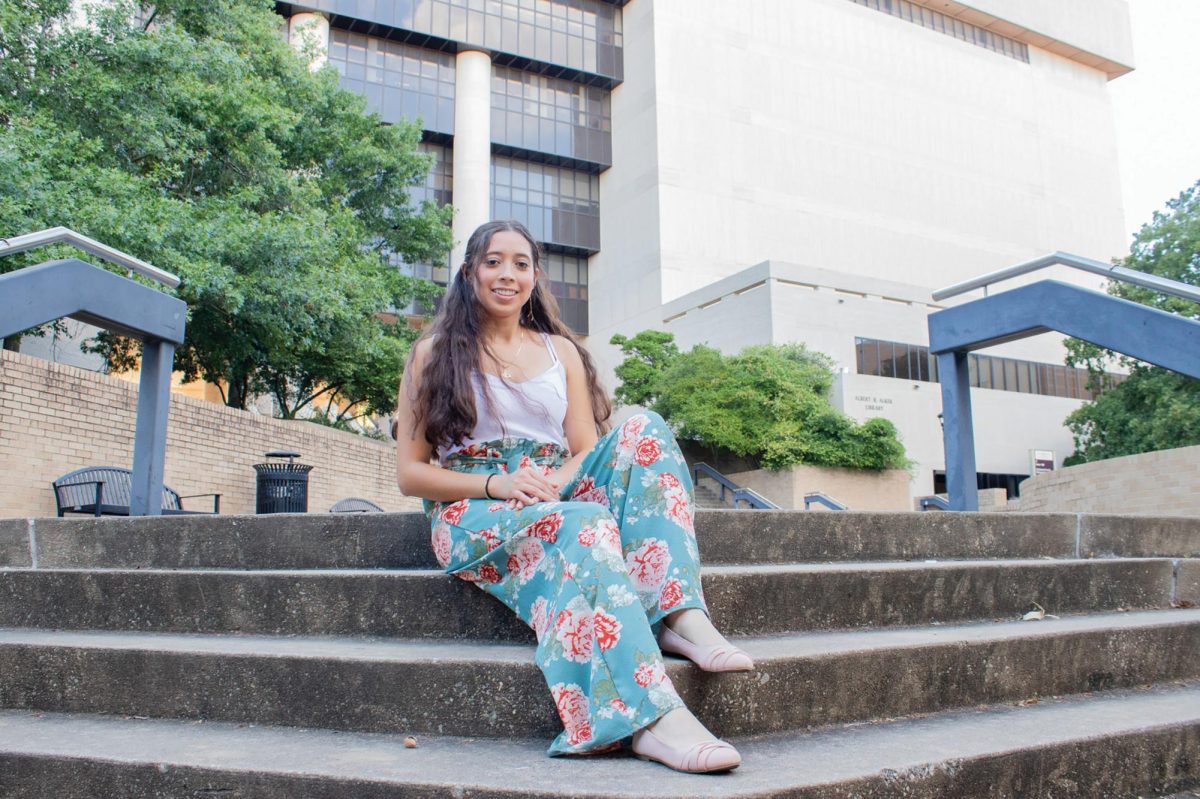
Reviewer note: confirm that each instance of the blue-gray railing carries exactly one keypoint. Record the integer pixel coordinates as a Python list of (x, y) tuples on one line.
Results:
[(818, 498), (929, 503), (38, 294), (752, 498), (1148, 334)]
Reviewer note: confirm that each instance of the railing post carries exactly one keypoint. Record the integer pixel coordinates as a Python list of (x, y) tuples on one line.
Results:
[(958, 431), (150, 437)]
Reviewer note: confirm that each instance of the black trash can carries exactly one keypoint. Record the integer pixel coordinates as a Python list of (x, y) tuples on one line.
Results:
[(282, 487)]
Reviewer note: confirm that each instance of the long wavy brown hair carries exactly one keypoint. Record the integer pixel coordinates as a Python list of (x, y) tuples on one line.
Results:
[(445, 401)]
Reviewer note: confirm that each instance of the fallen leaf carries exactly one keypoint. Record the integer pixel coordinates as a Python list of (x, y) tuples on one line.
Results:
[(1183, 603), (1038, 615), (410, 742)]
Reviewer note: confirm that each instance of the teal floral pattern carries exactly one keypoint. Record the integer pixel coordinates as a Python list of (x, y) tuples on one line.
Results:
[(593, 575)]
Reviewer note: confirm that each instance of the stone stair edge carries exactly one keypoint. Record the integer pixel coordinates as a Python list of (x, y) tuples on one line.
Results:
[(959, 753), (429, 604), (393, 686), (400, 539)]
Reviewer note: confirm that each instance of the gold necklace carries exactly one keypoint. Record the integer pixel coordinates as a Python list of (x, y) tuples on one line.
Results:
[(506, 372)]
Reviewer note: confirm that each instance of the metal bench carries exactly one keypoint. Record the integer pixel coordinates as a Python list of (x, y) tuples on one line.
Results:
[(355, 505), (104, 491)]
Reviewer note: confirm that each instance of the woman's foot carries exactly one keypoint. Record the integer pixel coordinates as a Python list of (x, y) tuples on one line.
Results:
[(690, 633), (678, 740)]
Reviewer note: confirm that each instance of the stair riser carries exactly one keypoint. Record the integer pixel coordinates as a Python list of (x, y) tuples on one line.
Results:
[(410, 605), (478, 698), (1128, 765), (401, 540)]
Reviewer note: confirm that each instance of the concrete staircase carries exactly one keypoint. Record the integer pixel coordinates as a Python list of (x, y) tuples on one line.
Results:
[(291, 656)]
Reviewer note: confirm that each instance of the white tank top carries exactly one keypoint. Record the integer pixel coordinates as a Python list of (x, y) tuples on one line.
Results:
[(534, 409)]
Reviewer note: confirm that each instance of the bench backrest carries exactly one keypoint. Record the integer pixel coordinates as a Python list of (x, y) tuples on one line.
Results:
[(78, 488)]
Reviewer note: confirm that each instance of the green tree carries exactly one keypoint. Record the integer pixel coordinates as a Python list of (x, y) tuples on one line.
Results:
[(1152, 408), (647, 354), (768, 402), (203, 144)]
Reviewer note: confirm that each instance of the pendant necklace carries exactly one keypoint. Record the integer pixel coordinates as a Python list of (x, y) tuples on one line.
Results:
[(506, 372)]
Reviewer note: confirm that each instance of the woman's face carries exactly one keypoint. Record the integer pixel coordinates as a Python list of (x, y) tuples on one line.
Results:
[(505, 277)]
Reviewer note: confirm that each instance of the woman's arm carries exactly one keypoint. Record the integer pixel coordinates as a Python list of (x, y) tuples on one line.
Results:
[(417, 477), (580, 424)]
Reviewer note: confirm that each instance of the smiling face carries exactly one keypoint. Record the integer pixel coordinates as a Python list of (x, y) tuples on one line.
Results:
[(505, 276)]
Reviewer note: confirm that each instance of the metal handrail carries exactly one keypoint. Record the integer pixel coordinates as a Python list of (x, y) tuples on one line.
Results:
[(753, 499), (1137, 278), (934, 502), (738, 494), (62, 235), (822, 499)]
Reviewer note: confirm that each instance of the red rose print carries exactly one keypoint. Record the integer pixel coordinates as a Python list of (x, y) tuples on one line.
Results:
[(453, 514), (668, 482), (575, 634), (525, 461), (609, 535), (441, 544), (679, 510), (647, 674), (573, 710), (488, 573), (647, 565), (618, 705), (608, 630), (630, 431), (468, 575), (648, 450), (539, 616), (672, 594), (491, 537), (525, 558), (587, 536), (546, 528), (587, 491)]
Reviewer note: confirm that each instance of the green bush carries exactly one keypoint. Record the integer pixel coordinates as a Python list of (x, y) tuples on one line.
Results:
[(768, 402)]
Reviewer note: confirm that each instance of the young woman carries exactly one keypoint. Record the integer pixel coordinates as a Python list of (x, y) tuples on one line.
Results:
[(588, 539)]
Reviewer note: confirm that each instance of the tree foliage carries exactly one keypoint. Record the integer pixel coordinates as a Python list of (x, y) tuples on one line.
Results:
[(203, 144), (768, 402), (1153, 408)]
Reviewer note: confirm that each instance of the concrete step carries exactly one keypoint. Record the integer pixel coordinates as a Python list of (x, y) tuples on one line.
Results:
[(401, 540), (709, 499), (744, 600), (495, 690), (1114, 745)]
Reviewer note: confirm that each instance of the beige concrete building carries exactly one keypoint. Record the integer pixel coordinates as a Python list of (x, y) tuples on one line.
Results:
[(811, 170)]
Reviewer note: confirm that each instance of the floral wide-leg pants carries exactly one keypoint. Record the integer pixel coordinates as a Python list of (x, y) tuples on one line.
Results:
[(593, 575)]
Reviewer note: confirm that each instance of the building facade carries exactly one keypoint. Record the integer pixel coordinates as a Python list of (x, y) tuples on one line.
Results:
[(772, 170)]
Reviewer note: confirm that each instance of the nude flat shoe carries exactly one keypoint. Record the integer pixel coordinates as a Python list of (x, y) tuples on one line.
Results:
[(701, 758), (709, 658)]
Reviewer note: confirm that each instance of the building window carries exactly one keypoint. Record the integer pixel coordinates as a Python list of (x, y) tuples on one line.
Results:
[(560, 206), (400, 81), (437, 189), (551, 115), (914, 362), (568, 279), (935, 20), (580, 35)]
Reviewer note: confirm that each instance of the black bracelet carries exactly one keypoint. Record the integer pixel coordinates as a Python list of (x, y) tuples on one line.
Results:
[(487, 482)]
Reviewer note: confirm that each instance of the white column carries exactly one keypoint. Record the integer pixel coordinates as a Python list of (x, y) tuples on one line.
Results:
[(308, 34), (472, 147)]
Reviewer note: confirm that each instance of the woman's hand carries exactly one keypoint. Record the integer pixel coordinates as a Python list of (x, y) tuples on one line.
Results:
[(526, 486)]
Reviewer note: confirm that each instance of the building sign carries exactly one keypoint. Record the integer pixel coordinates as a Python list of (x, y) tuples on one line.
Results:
[(873, 403), (1043, 460)]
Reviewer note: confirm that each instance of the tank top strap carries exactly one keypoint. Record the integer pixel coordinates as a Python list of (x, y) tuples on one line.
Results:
[(550, 346)]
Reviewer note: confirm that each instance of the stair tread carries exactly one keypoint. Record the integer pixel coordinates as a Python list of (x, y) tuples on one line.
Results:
[(731, 569), (762, 648), (520, 767)]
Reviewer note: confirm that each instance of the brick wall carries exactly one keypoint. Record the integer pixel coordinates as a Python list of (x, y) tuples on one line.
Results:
[(1162, 483), (56, 418)]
